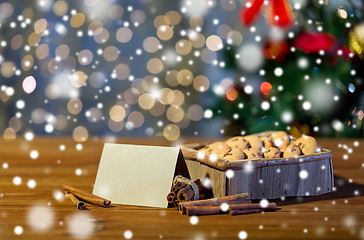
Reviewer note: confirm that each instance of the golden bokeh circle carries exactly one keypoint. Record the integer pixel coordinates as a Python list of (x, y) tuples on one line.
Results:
[(163, 98), (151, 44), (8, 69), (115, 126), (171, 132), (85, 57), (171, 78), (195, 112), (136, 118), (116, 12), (131, 95), (164, 32), (60, 8), (201, 83), (117, 113), (80, 134), (28, 13), (17, 42), (158, 109), (42, 51), (77, 20), (74, 106), (62, 51), (183, 47), (78, 78), (161, 20), (9, 134), (101, 35), (175, 114), (34, 39), (214, 43), (173, 17), (175, 97), (124, 34), (185, 77), (197, 39), (40, 25), (111, 53), (122, 71), (155, 65), (27, 62), (146, 101)]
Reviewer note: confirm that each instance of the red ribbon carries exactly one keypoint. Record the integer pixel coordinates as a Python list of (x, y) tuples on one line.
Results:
[(280, 12)]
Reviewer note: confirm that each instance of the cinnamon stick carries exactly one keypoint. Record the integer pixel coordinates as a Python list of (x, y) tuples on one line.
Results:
[(201, 189), (210, 210), (176, 203), (271, 206), (175, 189), (80, 205), (233, 199), (203, 210), (244, 211), (185, 194), (199, 184), (170, 197), (202, 196), (86, 196), (180, 185), (237, 209)]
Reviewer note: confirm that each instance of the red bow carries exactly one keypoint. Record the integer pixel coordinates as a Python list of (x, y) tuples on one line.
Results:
[(280, 13), (314, 42)]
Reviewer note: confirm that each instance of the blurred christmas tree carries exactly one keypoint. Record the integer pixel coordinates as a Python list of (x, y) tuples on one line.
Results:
[(305, 78), (136, 68)]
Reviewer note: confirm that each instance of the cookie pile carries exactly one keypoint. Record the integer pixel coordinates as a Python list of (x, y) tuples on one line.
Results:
[(277, 145)]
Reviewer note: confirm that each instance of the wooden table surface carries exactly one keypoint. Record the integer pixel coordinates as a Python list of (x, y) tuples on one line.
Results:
[(40, 212)]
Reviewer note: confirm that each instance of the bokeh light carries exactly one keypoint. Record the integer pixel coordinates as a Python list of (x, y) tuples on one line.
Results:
[(29, 84), (265, 88), (177, 66), (40, 218), (79, 225), (117, 113), (80, 134)]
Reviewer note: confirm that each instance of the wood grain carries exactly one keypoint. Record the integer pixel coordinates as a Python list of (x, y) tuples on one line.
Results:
[(337, 215)]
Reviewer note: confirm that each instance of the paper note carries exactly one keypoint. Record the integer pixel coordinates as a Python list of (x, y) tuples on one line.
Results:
[(138, 175)]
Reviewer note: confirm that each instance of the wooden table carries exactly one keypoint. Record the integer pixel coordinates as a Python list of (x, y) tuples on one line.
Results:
[(338, 215)]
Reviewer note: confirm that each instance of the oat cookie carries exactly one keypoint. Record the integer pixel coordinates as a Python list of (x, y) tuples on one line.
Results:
[(218, 148), (266, 142), (272, 152), (252, 153), (206, 150), (280, 139), (254, 142), (238, 142), (234, 154), (291, 151), (307, 144)]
